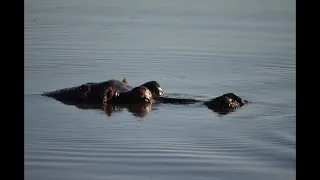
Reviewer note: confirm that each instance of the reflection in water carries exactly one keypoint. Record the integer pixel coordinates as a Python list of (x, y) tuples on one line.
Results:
[(142, 109), (138, 110), (224, 111)]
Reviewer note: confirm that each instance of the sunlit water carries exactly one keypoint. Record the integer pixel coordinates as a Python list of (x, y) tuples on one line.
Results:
[(199, 49)]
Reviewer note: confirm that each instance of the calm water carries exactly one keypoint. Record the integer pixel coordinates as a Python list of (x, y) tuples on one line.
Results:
[(198, 49)]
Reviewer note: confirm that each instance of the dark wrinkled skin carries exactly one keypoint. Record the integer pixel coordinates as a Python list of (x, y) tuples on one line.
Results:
[(93, 93)]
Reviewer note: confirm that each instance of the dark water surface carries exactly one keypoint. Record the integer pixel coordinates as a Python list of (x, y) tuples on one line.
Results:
[(199, 49)]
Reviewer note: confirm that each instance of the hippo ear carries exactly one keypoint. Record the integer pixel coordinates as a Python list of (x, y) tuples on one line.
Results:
[(109, 93), (125, 80)]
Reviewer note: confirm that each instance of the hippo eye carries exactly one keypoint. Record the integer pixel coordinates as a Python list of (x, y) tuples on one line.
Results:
[(116, 93)]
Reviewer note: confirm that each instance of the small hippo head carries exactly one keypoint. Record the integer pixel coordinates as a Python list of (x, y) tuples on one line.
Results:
[(226, 103)]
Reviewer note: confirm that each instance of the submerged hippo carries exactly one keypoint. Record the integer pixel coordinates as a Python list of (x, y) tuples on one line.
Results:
[(93, 93)]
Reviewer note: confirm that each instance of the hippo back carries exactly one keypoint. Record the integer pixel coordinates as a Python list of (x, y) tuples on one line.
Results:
[(115, 84), (89, 92), (97, 90)]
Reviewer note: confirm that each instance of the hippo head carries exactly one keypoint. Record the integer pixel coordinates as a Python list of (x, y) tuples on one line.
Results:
[(226, 103)]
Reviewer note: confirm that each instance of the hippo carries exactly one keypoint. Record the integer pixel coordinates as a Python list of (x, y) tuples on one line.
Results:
[(137, 101), (113, 93), (93, 93)]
